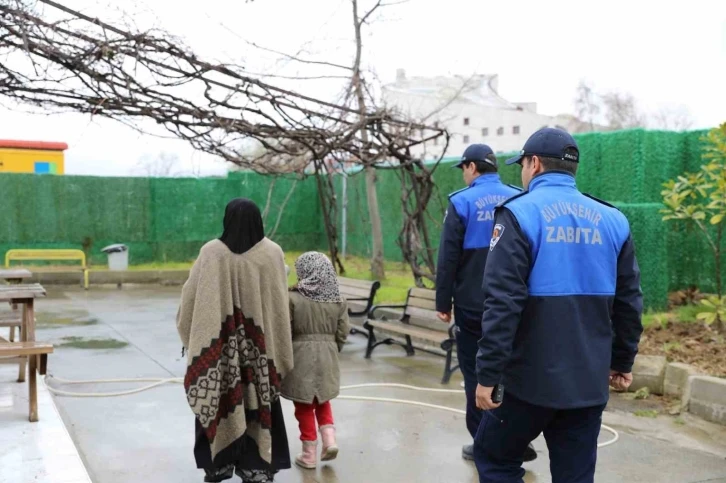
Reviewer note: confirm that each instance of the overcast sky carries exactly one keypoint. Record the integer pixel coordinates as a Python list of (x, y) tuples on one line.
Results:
[(666, 53)]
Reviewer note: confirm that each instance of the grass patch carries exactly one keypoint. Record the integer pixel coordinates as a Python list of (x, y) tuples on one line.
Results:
[(646, 413), (654, 318), (81, 343), (687, 313), (669, 346), (52, 321), (679, 421), (642, 393)]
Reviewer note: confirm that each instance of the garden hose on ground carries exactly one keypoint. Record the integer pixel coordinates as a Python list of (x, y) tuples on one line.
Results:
[(156, 382)]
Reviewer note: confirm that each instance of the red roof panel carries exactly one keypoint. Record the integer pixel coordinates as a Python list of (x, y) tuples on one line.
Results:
[(44, 145)]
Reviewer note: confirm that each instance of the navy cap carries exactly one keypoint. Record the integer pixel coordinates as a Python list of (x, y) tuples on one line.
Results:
[(551, 143), (476, 152)]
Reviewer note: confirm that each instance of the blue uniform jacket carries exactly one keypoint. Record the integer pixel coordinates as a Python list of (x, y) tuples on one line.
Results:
[(563, 303), (464, 245)]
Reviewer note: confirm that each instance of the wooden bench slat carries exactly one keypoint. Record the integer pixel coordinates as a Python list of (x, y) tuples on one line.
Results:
[(10, 316), (15, 273), (352, 292), (405, 329), (21, 291), (422, 293), (350, 282), (427, 304), (25, 348)]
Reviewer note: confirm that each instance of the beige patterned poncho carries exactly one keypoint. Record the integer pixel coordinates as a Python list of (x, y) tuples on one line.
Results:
[(234, 322)]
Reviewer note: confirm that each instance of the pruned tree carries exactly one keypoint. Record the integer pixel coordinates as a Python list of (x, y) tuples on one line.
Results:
[(163, 165), (587, 104), (621, 111), (673, 118), (69, 61)]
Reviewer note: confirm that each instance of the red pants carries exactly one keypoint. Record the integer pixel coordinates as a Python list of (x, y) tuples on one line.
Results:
[(306, 414)]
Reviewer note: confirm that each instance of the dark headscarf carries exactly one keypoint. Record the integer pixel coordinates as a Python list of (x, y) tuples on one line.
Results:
[(243, 227)]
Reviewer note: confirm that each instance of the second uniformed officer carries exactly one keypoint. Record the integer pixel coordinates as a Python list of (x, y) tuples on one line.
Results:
[(462, 254), (562, 318)]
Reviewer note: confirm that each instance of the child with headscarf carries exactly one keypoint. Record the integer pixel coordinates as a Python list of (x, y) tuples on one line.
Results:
[(319, 316)]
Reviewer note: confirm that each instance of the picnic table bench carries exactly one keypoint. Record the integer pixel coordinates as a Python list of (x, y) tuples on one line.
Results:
[(358, 291), (15, 275), (27, 350), (417, 321), (13, 319), (33, 254)]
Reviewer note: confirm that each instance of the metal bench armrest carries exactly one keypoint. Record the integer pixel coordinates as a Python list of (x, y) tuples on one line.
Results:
[(384, 306)]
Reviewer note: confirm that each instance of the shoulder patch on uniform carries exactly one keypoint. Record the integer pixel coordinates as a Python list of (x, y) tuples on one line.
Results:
[(521, 193), (458, 191), (601, 201), (496, 235)]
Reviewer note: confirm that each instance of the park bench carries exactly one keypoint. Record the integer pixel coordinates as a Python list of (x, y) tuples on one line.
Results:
[(418, 321), (363, 291), (50, 255), (27, 352), (36, 355)]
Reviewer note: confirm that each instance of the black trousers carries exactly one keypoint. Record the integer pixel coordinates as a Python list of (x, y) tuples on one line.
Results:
[(244, 453), (505, 432), (466, 349)]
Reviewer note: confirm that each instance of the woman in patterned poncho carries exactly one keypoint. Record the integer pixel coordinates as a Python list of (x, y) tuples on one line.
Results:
[(234, 323)]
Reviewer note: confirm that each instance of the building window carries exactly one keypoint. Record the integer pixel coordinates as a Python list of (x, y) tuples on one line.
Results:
[(466, 138), (485, 131), (515, 130), (466, 121), (500, 131)]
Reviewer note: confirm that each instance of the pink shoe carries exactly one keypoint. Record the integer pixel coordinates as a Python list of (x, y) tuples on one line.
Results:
[(330, 448), (308, 458)]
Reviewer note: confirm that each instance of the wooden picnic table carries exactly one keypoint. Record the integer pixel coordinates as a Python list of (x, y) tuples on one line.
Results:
[(15, 275), (25, 295)]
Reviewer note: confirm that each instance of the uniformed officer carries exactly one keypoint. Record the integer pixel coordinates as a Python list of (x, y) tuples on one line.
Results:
[(562, 317), (462, 254)]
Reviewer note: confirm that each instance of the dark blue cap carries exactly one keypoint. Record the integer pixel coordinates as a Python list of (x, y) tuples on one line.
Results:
[(551, 143), (476, 152)]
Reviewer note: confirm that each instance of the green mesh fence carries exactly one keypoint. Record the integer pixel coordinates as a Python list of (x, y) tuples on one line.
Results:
[(626, 168), (160, 219), (165, 219)]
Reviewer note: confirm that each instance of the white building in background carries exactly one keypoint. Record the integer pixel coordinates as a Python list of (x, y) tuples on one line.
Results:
[(471, 109)]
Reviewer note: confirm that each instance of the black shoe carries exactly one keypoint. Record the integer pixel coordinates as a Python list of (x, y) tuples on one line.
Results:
[(530, 454), (467, 452), (219, 475)]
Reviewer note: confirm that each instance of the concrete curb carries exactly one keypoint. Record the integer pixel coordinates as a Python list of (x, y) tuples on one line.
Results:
[(708, 398), (107, 277), (676, 382), (649, 372)]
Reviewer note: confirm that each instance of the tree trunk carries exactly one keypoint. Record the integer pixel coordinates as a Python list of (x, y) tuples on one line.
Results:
[(719, 289), (326, 192), (377, 268), (377, 257)]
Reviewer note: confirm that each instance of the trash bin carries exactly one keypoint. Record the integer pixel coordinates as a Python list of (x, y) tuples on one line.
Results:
[(118, 256)]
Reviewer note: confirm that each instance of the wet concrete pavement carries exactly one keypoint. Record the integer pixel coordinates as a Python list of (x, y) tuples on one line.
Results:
[(149, 436)]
